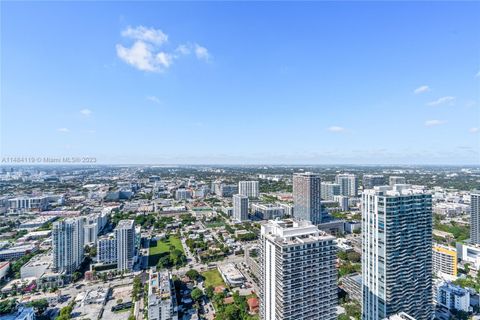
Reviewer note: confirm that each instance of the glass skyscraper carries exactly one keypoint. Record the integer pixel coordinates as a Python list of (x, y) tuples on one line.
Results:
[(397, 252)]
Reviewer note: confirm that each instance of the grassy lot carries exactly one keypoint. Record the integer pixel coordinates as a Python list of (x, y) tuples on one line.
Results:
[(213, 278), (161, 247), (215, 224)]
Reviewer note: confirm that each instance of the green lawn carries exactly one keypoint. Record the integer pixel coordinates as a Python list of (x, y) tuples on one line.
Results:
[(215, 224), (161, 247), (213, 278)]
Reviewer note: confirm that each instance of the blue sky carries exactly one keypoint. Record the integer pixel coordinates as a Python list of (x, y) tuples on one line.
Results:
[(242, 83)]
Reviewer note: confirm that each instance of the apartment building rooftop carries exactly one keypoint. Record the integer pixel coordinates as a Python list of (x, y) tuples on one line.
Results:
[(395, 190), (125, 224), (400, 316), (291, 231), (159, 284), (305, 174)]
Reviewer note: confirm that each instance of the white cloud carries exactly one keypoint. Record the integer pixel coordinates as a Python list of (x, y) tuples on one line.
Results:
[(164, 59), (477, 75), (442, 100), (421, 89), (336, 129), (139, 55), (91, 131), (202, 53), (148, 52), (154, 99), (183, 49), (432, 123), (86, 112), (63, 130), (474, 130), (155, 36)]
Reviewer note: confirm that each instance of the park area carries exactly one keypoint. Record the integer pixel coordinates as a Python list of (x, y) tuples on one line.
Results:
[(213, 278), (161, 247)]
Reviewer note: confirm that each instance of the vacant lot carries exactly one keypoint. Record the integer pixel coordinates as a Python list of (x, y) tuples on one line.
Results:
[(213, 278), (161, 247)]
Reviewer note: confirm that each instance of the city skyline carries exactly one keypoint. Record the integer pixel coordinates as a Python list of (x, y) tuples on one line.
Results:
[(242, 83)]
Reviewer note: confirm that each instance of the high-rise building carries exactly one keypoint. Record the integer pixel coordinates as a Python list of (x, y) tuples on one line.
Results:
[(67, 242), (125, 237), (307, 197), (226, 190), (298, 278), (444, 260), (182, 194), (162, 302), (329, 190), (393, 180), (372, 180), (240, 207), (475, 217), (107, 249), (348, 184), (343, 202), (249, 189), (397, 252), (91, 233)]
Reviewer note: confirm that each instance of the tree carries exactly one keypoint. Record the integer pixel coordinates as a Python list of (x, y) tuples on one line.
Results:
[(137, 287), (65, 313), (197, 294), (193, 274), (164, 262), (7, 306), (40, 305), (353, 310), (353, 256), (231, 312), (209, 292)]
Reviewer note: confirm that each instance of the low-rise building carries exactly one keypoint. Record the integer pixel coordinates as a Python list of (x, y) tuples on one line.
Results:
[(27, 203), (333, 226), (40, 268), (352, 285), (267, 211), (16, 252), (37, 222), (470, 254), (287, 207), (231, 275), (452, 297), (352, 226)]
